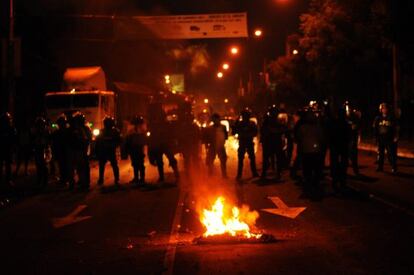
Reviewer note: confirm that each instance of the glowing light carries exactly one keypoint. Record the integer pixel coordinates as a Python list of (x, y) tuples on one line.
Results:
[(174, 92), (234, 50), (96, 132), (258, 32), (224, 219), (226, 100), (148, 134), (226, 66), (72, 91), (295, 52), (220, 75), (167, 77), (206, 100)]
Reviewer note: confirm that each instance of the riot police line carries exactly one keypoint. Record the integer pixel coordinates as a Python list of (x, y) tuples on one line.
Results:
[(315, 130)]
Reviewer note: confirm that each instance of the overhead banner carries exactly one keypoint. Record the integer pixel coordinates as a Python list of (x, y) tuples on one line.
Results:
[(197, 26)]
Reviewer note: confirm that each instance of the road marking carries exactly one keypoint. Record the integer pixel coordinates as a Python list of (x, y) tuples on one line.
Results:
[(71, 218), (174, 235), (282, 209)]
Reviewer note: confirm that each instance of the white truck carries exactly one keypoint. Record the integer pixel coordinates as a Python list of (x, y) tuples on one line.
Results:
[(84, 89)]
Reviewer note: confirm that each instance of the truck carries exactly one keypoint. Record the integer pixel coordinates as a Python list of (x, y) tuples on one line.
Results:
[(84, 89)]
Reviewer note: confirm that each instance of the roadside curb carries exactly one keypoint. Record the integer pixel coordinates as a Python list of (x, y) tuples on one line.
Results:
[(402, 152)]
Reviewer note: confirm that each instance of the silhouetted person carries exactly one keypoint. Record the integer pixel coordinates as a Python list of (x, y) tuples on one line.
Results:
[(7, 141), (107, 141), (339, 132), (310, 138), (246, 131), (81, 137), (354, 120), (215, 137), (161, 141), (61, 139), (24, 148), (271, 137), (41, 143), (135, 142), (386, 133)]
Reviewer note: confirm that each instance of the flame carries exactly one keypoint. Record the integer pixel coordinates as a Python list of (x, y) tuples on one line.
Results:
[(219, 220)]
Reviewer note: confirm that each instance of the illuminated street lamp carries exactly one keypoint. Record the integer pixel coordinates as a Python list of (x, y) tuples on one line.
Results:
[(226, 100), (295, 52), (234, 50), (219, 74), (206, 100), (226, 66), (258, 32)]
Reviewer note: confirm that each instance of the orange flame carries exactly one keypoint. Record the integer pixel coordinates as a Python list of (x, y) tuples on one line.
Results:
[(219, 220)]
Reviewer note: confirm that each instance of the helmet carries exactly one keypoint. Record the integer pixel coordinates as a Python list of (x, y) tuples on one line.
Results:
[(246, 114), (78, 119), (272, 111), (137, 120), (383, 106), (61, 121), (108, 122)]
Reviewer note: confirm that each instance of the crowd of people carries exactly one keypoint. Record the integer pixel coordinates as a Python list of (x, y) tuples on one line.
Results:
[(315, 129)]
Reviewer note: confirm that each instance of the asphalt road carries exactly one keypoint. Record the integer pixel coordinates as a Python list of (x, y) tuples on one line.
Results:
[(369, 230)]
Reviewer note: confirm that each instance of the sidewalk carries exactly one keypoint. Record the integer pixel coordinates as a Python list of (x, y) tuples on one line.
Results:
[(405, 148)]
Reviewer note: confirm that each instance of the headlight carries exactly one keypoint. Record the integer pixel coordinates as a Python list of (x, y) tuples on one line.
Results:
[(96, 132)]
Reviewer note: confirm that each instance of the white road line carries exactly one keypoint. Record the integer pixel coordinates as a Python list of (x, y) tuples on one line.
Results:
[(174, 235)]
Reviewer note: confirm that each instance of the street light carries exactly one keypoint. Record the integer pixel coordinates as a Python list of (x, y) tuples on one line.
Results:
[(295, 52), (206, 100), (258, 32), (219, 74), (234, 50), (226, 66), (226, 100)]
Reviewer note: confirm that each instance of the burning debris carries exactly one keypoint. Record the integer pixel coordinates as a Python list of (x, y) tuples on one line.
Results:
[(229, 224)]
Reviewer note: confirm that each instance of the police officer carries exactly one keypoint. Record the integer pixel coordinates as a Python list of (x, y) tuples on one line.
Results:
[(41, 143), (339, 132), (310, 138), (161, 141), (7, 139), (81, 137), (246, 130), (271, 137), (386, 133), (106, 143), (60, 149), (136, 140), (354, 121), (215, 138)]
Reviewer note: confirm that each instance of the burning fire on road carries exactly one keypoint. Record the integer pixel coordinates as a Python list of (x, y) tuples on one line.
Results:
[(226, 223)]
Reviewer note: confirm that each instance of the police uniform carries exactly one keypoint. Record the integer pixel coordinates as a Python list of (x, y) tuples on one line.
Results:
[(246, 130), (106, 144), (136, 140), (386, 132), (215, 138)]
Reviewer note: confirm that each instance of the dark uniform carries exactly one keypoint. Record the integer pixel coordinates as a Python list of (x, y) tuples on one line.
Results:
[(106, 143), (310, 138), (135, 142), (7, 140), (188, 136), (386, 133), (339, 132), (354, 121), (41, 143), (60, 148), (81, 137), (215, 137), (271, 136), (161, 142), (246, 130)]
